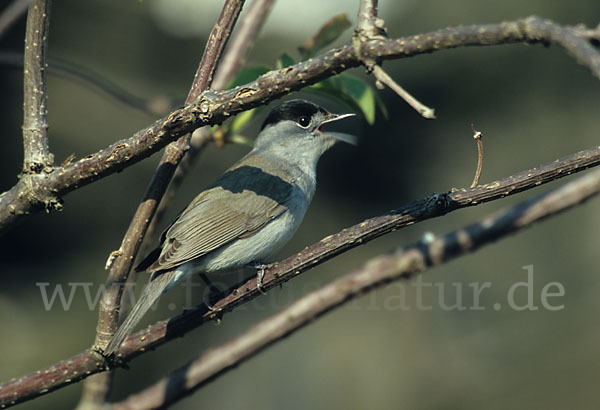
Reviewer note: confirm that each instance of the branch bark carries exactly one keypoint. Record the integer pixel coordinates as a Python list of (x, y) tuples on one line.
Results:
[(367, 16), (375, 273), (90, 362), (213, 107), (37, 157)]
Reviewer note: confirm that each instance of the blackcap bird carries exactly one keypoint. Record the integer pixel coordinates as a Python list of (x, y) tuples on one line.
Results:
[(249, 213)]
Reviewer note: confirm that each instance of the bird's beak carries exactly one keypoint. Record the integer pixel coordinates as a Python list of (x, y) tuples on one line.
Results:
[(340, 136)]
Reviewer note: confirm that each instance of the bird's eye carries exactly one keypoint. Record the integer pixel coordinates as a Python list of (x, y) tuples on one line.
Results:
[(304, 121)]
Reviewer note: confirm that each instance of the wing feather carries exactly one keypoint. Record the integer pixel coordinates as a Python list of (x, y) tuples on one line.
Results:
[(238, 205)]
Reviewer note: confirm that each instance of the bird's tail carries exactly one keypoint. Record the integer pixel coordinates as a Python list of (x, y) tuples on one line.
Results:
[(151, 293)]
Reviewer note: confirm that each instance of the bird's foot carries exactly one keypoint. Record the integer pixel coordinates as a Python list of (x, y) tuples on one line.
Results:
[(111, 360), (212, 294), (260, 274)]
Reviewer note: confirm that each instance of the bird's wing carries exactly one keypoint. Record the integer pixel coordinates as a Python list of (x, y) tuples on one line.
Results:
[(237, 205)]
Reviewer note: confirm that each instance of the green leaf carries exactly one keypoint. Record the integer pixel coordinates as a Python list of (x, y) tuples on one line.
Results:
[(284, 60), (381, 105), (354, 92), (239, 121), (241, 139), (245, 76), (327, 34)]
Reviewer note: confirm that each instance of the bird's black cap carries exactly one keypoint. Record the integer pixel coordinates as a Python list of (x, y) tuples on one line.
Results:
[(292, 110)]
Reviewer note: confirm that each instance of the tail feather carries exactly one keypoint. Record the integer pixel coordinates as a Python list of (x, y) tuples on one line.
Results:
[(151, 293)]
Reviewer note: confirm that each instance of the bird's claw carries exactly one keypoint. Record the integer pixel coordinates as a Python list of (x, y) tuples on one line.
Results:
[(260, 275), (212, 293)]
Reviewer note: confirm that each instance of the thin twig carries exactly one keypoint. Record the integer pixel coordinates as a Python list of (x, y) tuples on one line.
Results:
[(90, 362), (477, 136), (37, 155), (31, 194), (422, 109), (94, 81), (375, 273), (242, 41), (214, 48)]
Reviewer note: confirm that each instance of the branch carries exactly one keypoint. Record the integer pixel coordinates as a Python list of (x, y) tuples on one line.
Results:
[(37, 155), (214, 47), (375, 273), (367, 19), (171, 158), (242, 41), (477, 136), (96, 390), (384, 78), (90, 362), (371, 28), (239, 46), (213, 107)]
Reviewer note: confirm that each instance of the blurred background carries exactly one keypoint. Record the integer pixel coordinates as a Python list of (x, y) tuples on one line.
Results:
[(403, 346)]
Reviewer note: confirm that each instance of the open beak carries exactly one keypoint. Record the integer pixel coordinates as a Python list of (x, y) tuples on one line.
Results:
[(340, 136)]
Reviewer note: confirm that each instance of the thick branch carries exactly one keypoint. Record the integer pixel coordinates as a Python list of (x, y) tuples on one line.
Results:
[(90, 362), (434, 206), (214, 107), (375, 273), (35, 124)]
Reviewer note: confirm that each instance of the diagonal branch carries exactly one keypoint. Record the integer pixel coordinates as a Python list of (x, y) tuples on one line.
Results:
[(384, 78), (37, 193), (240, 44), (434, 206), (375, 273), (97, 389), (242, 41), (158, 185), (37, 155), (90, 362)]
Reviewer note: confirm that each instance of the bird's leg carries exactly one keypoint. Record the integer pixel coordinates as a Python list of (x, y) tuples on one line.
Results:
[(214, 293), (260, 274)]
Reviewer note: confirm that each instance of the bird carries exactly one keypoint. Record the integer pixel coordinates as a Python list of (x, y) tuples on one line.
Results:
[(248, 214)]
